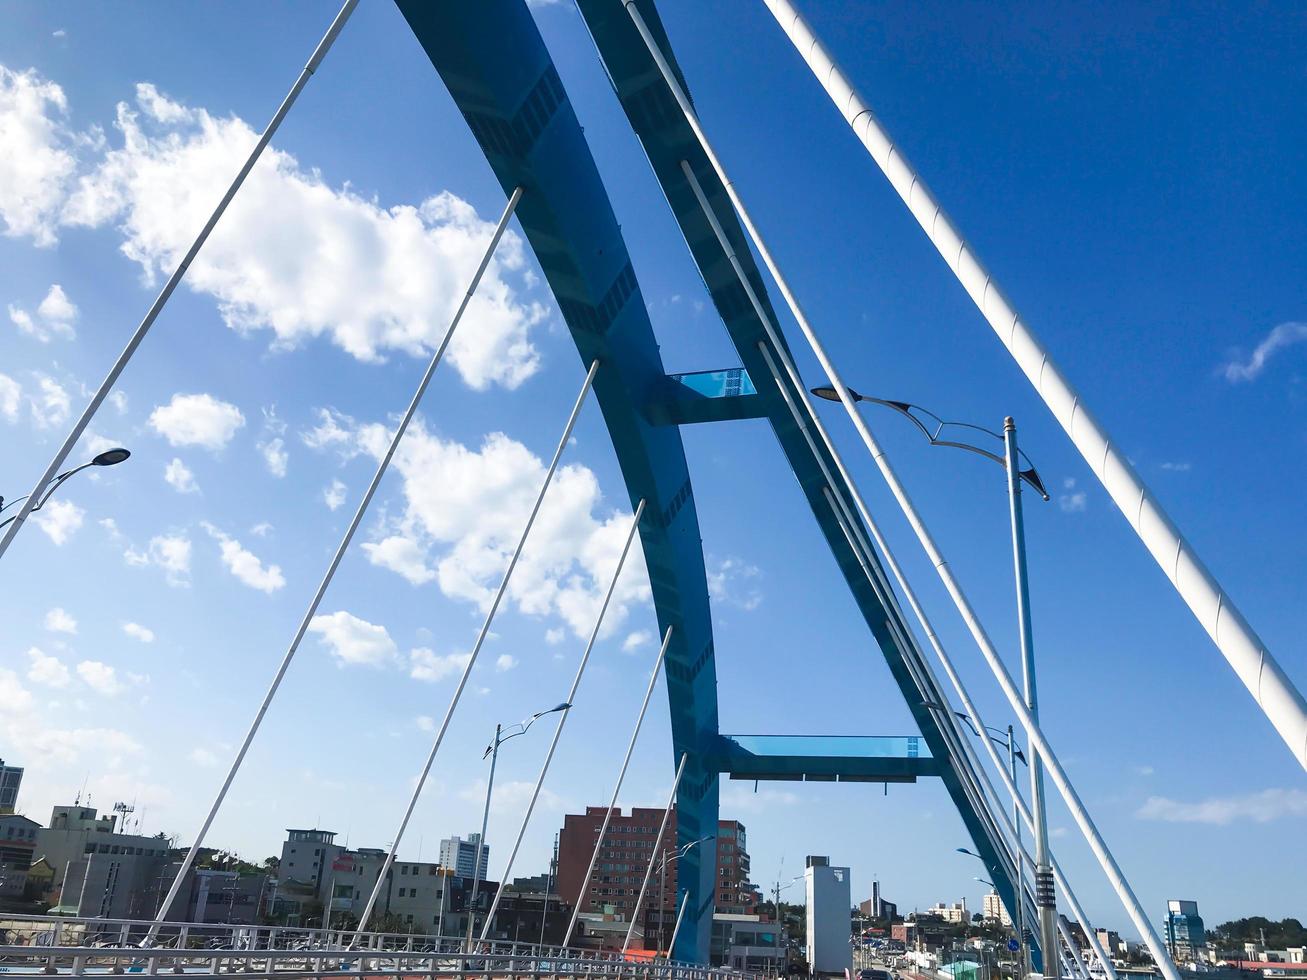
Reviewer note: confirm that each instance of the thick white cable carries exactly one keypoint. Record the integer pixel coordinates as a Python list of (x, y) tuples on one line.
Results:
[(336, 558), (476, 647), (138, 335), (653, 856), (1281, 702), (562, 718), (621, 775), (1087, 827)]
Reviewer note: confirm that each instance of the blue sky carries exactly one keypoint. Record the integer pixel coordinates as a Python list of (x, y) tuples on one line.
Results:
[(1130, 175)]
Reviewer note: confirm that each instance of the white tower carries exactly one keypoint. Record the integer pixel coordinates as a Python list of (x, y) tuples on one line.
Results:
[(829, 951)]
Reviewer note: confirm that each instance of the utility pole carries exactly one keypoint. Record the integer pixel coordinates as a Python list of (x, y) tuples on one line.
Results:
[(1045, 900)]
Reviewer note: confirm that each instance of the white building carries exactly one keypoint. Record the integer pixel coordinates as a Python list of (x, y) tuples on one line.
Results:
[(954, 912), (994, 911), (460, 856), (829, 901)]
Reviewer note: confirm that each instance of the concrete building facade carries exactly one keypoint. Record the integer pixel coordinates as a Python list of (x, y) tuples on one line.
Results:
[(994, 911), (829, 901), (460, 856), (11, 780), (98, 871)]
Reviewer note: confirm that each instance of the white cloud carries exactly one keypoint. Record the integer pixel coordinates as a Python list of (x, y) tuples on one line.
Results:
[(204, 758), (464, 510), (736, 797), (334, 495), (244, 564), (371, 279), (732, 582), (118, 399), (1282, 336), (1260, 807), (171, 552), (275, 456), (197, 420), (38, 161), (100, 677), (354, 641), (138, 632), (179, 477), (54, 317), (49, 403), (11, 397), (261, 530), (510, 796), (555, 636), (1177, 467), (426, 665), (637, 640), (47, 670), (58, 620), (402, 555), (59, 519), (505, 662), (425, 723), (1073, 501)]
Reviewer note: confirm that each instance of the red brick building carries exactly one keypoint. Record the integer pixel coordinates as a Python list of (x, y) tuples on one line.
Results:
[(624, 858)]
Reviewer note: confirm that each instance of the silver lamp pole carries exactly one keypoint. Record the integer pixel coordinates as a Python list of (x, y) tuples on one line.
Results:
[(1044, 895)]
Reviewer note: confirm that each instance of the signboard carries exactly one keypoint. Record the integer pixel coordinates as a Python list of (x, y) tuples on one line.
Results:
[(344, 862), (1013, 945)]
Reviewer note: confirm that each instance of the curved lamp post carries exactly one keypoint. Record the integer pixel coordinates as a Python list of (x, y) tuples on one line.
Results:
[(662, 883), (110, 457), (934, 429), (492, 753)]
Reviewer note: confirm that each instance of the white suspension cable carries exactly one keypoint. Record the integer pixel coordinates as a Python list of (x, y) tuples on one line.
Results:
[(157, 306), (562, 718), (476, 648), (653, 856), (1275, 693), (336, 558), (621, 775), (1036, 736)]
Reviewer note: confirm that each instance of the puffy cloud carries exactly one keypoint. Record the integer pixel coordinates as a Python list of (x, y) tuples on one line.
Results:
[(58, 620), (39, 159), (505, 662), (302, 259), (1281, 336), (637, 640), (59, 519), (100, 677), (334, 494), (49, 402), (425, 723), (465, 508), (138, 632), (275, 456), (1259, 807), (426, 665), (245, 565), (197, 420), (354, 641), (1073, 501), (11, 397), (171, 552), (118, 399), (731, 582), (54, 317), (402, 555), (179, 477), (204, 758), (45, 669)]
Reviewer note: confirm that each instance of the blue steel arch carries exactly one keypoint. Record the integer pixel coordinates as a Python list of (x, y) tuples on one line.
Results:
[(494, 63), (500, 74)]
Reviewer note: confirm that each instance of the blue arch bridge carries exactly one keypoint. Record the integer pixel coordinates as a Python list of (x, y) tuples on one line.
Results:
[(499, 71)]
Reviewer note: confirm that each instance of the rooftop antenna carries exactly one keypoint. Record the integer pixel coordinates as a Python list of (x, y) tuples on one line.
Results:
[(78, 801), (124, 810)]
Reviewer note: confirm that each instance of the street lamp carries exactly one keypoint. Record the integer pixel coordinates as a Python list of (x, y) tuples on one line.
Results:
[(110, 457), (662, 884), (492, 753), (934, 428)]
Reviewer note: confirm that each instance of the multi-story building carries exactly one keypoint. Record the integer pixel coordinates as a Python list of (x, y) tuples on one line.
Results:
[(460, 856), (878, 907), (828, 893), (17, 847), (1111, 941), (624, 859), (953, 912), (1185, 934), (98, 871), (211, 896), (11, 778), (994, 910)]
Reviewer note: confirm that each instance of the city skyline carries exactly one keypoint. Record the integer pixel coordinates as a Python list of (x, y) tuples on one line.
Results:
[(155, 597)]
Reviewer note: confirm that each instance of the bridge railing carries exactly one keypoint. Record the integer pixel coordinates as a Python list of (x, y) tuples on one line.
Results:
[(35, 944)]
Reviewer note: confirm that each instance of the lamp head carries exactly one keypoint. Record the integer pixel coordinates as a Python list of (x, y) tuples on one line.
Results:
[(111, 457)]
